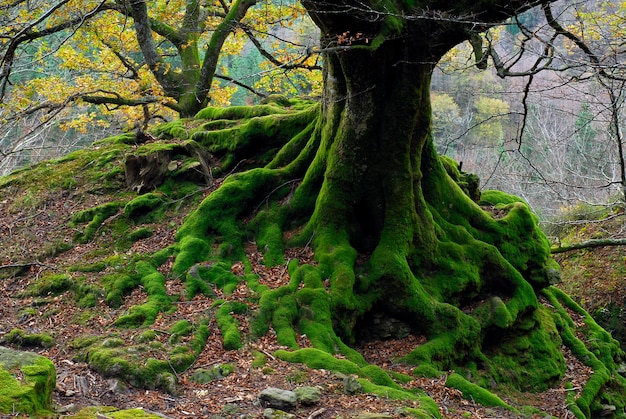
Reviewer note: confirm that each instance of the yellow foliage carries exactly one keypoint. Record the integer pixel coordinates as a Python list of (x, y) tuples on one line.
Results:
[(445, 110), (489, 118), (84, 60)]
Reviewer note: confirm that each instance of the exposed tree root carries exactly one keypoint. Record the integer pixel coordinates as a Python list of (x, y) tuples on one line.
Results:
[(431, 262)]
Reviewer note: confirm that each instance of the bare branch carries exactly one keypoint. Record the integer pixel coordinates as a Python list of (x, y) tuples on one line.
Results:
[(300, 63), (240, 84)]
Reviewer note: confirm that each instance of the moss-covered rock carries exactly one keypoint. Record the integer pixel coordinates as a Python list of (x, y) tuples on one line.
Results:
[(204, 376), (26, 383), (21, 338)]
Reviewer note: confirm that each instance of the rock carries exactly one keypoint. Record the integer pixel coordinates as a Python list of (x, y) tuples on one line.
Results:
[(277, 414), (308, 395), (607, 410), (230, 409), (278, 398), (351, 385), (31, 394), (117, 386), (204, 376), (67, 408)]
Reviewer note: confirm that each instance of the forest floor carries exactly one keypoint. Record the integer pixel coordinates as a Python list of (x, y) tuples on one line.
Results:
[(26, 233)]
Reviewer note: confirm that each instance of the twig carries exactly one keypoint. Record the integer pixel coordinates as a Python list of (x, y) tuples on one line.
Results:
[(317, 413)]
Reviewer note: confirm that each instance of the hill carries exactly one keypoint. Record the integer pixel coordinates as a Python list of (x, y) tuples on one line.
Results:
[(75, 236)]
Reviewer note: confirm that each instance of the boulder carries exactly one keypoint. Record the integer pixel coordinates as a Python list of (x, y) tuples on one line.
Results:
[(26, 382), (278, 398), (308, 395), (277, 414), (351, 385)]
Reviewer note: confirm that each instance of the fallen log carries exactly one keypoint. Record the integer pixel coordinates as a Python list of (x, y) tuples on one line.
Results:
[(588, 244)]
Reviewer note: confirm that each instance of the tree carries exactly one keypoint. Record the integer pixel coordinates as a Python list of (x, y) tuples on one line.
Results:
[(394, 228), (396, 231), (180, 44), (128, 59)]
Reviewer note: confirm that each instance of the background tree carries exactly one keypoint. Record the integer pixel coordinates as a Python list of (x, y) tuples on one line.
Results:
[(565, 90), (133, 61)]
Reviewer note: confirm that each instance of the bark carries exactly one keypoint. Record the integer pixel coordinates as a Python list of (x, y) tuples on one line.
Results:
[(148, 49), (238, 10)]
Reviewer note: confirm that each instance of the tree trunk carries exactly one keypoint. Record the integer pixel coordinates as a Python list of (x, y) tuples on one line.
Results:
[(435, 261), (396, 240)]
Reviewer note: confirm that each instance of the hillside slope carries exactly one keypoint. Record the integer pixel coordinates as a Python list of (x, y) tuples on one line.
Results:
[(75, 232)]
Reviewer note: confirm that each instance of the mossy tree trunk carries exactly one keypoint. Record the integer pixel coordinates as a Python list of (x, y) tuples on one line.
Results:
[(435, 259), (393, 228)]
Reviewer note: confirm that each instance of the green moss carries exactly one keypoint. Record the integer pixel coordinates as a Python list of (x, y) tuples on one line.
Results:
[(179, 329), (86, 295), (182, 359), (283, 320), (527, 357), (220, 275), (154, 285), (386, 392), (49, 284), (229, 325), (425, 411), (83, 342), (117, 286), (140, 234), (269, 238), (94, 217), (598, 350), (498, 198), (192, 250), (200, 337), (473, 392), (218, 372), (314, 358), (138, 413), (173, 129), (260, 359), (426, 370), (239, 112), (92, 412), (88, 267), (30, 394), (21, 338), (158, 258), (318, 359), (114, 358), (125, 138), (147, 336), (145, 208)]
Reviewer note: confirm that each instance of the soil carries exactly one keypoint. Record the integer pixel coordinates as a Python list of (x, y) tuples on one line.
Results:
[(26, 237)]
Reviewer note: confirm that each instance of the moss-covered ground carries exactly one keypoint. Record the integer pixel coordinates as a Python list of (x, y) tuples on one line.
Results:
[(222, 273)]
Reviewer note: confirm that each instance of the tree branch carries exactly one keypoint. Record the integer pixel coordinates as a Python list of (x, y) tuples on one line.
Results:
[(276, 62), (143, 30), (588, 244), (26, 35), (236, 13), (240, 84)]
